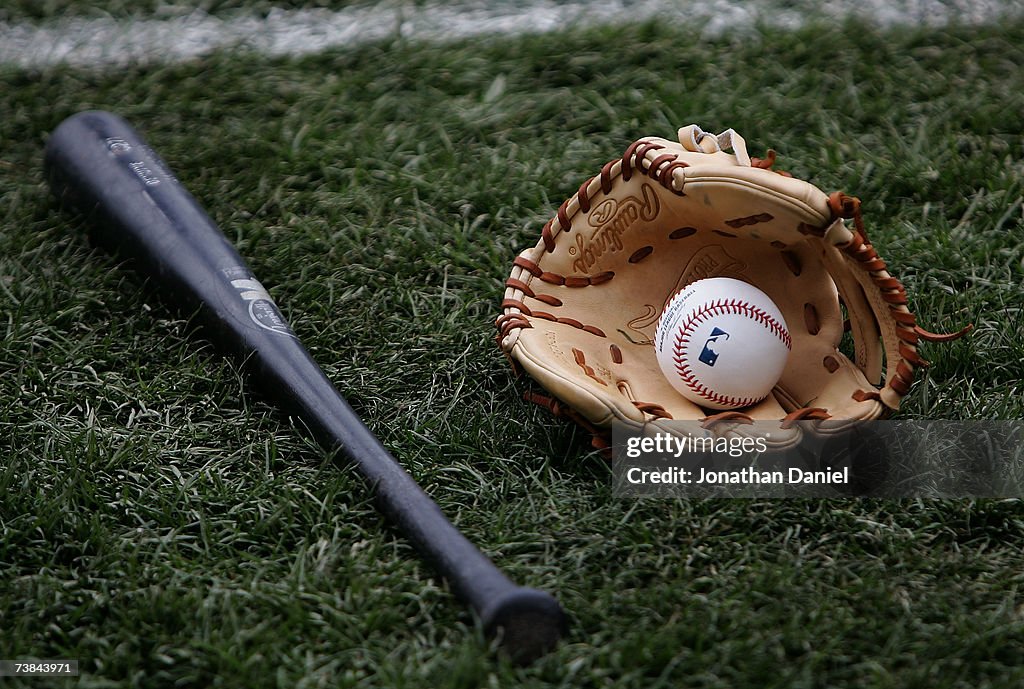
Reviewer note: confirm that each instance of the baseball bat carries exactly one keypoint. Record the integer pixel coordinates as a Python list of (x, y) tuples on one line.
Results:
[(101, 167)]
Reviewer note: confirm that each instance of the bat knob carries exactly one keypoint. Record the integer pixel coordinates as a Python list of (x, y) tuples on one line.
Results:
[(526, 622)]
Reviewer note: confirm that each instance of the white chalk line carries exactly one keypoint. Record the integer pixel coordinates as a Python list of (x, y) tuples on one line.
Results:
[(108, 41)]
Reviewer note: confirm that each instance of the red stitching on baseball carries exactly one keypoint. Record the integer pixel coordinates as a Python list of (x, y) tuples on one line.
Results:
[(719, 308)]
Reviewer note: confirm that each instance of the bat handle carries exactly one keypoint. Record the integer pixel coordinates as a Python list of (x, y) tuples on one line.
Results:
[(527, 622)]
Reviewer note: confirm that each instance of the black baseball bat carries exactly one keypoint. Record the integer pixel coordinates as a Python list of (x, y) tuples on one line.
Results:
[(101, 167)]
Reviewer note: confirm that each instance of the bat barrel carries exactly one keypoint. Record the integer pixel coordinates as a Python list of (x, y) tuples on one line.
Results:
[(98, 164)]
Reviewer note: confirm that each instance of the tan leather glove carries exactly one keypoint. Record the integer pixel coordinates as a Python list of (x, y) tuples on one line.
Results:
[(581, 307)]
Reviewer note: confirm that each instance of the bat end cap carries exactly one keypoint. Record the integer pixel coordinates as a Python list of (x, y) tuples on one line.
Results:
[(527, 624)]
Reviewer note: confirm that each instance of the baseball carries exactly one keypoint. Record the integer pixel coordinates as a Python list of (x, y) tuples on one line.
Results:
[(722, 343)]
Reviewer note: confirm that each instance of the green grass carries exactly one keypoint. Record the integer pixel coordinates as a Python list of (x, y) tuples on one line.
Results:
[(168, 528)]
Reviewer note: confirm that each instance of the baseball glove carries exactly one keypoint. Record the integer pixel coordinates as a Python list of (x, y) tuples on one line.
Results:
[(580, 308)]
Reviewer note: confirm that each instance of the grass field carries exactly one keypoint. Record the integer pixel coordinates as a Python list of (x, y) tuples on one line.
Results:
[(170, 529)]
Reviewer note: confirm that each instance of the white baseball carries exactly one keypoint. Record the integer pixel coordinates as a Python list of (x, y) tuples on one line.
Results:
[(722, 343)]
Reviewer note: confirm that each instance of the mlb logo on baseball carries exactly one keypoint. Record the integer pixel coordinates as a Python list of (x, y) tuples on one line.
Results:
[(708, 355)]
